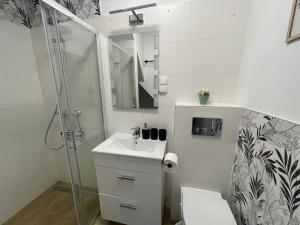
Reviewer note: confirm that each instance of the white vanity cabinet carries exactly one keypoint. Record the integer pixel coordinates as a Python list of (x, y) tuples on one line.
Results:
[(130, 189), (130, 180)]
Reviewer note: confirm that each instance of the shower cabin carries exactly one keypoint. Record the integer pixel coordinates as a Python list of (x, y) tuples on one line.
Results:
[(65, 50), (72, 47)]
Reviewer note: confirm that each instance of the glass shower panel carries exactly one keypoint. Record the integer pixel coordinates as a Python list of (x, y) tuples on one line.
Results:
[(73, 54), (82, 81)]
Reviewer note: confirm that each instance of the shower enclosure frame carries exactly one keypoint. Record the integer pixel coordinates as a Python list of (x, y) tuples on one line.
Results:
[(73, 170)]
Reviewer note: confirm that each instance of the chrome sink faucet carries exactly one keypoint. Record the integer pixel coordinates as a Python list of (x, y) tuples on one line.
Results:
[(136, 132)]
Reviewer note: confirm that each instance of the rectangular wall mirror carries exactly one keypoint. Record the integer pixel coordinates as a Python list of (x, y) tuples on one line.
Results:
[(134, 63)]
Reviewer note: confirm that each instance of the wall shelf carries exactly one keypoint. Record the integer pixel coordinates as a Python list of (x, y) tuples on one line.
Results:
[(233, 105)]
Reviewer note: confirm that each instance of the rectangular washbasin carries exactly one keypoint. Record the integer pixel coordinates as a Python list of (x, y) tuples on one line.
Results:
[(127, 145), (134, 145)]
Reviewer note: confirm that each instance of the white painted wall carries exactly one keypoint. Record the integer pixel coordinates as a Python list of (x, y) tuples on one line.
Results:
[(270, 68), (26, 168), (200, 47)]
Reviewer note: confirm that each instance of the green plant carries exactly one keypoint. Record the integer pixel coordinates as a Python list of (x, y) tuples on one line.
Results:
[(203, 92)]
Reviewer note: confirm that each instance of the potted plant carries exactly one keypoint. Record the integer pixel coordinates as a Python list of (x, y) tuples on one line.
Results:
[(203, 96)]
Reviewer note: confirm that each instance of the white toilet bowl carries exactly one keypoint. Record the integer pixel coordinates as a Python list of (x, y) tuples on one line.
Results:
[(201, 207)]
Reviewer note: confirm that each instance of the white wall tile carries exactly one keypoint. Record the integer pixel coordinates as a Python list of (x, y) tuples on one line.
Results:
[(25, 93), (218, 18), (20, 40), (173, 20), (228, 89), (206, 57), (27, 168), (21, 69), (186, 88), (3, 70)]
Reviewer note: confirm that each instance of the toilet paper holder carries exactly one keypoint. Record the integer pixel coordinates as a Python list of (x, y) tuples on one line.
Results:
[(207, 126), (170, 162)]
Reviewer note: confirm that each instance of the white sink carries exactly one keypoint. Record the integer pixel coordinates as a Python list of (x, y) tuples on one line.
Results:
[(126, 144), (134, 145)]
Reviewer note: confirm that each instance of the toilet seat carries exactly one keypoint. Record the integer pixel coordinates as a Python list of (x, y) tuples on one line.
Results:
[(201, 207)]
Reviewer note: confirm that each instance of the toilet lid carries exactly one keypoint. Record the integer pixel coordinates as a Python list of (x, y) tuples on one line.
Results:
[(190, 193), (205, 208)]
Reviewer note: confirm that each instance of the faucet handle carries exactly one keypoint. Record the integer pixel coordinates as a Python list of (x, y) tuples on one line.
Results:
[(136, 131)]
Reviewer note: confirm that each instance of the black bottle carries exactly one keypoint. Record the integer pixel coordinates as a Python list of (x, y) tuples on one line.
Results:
[(145, 132), (162, 134), (154, 133)]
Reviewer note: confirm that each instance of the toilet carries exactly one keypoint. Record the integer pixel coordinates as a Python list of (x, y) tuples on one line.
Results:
[(202, 207)]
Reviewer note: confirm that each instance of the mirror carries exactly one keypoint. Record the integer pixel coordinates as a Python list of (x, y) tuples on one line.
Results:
[(134, 64)]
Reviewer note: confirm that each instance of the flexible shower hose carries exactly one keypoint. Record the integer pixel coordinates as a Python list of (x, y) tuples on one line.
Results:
[(47, 132)]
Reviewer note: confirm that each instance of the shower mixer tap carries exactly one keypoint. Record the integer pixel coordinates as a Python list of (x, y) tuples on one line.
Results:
[(80, 133)]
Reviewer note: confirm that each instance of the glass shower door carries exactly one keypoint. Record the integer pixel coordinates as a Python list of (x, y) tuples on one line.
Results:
[(73, 55)]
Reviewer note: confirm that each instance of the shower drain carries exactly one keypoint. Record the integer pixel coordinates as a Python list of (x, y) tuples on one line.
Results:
[(69, 190), (62, 189)]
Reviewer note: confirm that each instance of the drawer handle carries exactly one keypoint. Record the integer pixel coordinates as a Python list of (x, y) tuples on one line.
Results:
[(123, 177), (128, 206)]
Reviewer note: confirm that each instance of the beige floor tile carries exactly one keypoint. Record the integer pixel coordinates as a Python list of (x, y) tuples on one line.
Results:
[(48, 218), (53, 207)]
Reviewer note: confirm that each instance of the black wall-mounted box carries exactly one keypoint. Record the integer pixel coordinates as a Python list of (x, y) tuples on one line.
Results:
[(207, 126)]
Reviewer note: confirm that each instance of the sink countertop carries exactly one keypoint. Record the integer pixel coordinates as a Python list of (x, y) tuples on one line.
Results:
[(157, 154)]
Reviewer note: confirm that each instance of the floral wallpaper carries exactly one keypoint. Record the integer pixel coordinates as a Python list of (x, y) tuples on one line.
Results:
[(265, 182), (27, 12)]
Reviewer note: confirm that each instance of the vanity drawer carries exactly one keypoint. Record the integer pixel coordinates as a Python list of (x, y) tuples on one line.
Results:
[(128, 163), (143, 187), (129, 212)]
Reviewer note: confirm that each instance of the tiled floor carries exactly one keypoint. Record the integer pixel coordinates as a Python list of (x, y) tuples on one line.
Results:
[(55, 207)]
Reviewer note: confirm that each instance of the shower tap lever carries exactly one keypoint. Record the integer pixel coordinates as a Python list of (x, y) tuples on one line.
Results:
[(68, 134)]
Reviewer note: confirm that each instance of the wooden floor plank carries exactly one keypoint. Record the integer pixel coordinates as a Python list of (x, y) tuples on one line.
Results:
[(55, 207)]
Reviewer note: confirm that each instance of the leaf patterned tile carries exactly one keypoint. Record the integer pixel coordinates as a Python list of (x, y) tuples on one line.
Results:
[(265, 182), (29, 14)]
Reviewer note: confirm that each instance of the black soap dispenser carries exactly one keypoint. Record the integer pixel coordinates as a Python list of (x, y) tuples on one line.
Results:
[(145, 132)]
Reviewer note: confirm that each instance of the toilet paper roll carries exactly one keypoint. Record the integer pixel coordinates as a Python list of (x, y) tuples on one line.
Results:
[(170, 163)]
